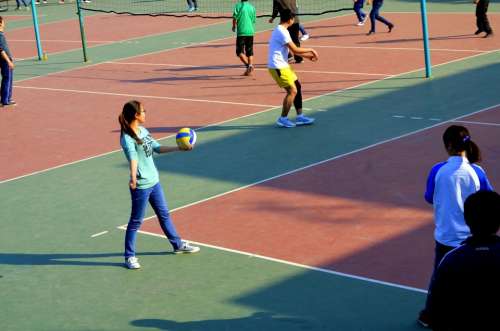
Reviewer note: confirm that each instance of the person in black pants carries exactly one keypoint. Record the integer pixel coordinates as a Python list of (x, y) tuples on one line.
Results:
[(374, 15), (278, 7), (465, 286), (483, 25)]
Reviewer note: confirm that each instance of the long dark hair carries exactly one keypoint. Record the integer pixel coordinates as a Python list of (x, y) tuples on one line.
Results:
[(130, 109), (457, 139)]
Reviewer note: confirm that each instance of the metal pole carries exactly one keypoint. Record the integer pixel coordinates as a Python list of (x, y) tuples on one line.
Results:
[(82, 31), (34, 14), (427, 53)]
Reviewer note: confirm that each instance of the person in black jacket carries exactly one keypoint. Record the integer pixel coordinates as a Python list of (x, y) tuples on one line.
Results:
[(466, 285), (483, 25), (278, 7)]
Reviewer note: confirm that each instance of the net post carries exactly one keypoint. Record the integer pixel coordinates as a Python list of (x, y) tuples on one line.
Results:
[(427, 53), (34, 15), (82, 31)]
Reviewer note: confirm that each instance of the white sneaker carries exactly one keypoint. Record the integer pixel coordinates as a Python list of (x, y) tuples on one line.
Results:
[(186, 248), (304, 37), (132, 263), (361, 23)]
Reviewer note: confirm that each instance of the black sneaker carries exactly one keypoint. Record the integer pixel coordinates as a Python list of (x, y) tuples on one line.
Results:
[(477, 32)]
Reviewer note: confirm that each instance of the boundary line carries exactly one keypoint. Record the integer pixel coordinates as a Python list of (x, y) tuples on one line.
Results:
[(303, 266), (479, 123), (123, 227), (260, 69), (146, 96), (237, 118)]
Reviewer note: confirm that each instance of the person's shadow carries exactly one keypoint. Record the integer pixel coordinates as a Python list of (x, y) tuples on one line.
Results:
[(67, 259), (256, 321)]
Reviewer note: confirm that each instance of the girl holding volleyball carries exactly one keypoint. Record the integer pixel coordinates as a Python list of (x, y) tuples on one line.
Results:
[(139, 146), (448, 185)]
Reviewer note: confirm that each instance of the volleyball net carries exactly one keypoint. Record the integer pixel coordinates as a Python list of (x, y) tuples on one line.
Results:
[(207, 8)]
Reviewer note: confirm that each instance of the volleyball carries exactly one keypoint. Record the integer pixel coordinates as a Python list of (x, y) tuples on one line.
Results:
[(185, 138)]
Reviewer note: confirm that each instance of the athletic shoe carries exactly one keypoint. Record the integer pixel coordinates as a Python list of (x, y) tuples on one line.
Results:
[(60, 2), (304, 37), (304, 120), (478, 32), (132, 263), (186, 248), (284, 122), (424, 319), (361, 23), (391, 26), (10, 103), (370, 32), (191, 9), (249, 71), (488, 34)]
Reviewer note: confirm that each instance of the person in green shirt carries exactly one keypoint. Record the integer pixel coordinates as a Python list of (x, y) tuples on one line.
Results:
[(244, 26), (138, 146)]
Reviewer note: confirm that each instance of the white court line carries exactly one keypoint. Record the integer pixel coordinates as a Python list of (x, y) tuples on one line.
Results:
[(389, 48), (98, 234), (233, 119), (123, 227), (146, 96), (303, 266), (64, 41), (479, 123), (260, 69)]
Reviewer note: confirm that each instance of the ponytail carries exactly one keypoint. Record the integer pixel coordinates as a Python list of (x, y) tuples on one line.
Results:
[(457, 139), (130, 109)]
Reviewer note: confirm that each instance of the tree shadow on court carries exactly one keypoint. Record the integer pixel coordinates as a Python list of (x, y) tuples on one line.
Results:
[(89, 260)]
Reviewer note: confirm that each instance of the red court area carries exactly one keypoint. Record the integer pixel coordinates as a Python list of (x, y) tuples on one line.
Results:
[(362, 214), (197, 85), (99, 29)]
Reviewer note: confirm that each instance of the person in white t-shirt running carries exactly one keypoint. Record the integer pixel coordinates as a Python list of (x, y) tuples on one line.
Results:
[(279, 46)]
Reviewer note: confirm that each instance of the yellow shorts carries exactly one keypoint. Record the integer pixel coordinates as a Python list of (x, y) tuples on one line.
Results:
[(284, 77)]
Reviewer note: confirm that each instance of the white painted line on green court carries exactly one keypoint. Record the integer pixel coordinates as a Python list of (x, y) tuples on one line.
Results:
[(98, 234), (478, 123), (303, 266)]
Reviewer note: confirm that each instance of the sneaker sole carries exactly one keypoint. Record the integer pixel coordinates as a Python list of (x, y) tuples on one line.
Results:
[(302, 124), (187, 252), (284, 126)]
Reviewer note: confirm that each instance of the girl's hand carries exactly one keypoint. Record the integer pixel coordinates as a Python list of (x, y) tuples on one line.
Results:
[(185, 148), (133, 183)]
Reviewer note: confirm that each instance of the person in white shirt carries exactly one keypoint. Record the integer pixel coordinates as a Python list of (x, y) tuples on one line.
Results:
[(448, 186), (279, 46)]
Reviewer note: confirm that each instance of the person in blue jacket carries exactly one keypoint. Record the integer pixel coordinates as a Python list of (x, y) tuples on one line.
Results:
[(448, 185)]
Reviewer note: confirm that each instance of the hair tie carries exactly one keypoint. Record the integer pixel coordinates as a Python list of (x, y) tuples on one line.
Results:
[(466, 139)]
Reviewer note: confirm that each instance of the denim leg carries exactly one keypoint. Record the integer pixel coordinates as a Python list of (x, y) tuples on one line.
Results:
[(10, 84), (374, 15), (139, 203), (6, 86), (159, 204), (359, 12)]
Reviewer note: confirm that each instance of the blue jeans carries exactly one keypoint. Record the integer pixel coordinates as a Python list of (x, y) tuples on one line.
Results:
[(374, 15), (358, 5), (140, 198), (7, 81)]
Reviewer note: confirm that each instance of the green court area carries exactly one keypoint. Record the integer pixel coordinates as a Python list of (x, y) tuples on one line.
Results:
[(61, 246)]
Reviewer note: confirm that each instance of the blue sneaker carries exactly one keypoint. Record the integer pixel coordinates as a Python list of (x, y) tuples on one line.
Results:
[(304, 120), (284, 122)]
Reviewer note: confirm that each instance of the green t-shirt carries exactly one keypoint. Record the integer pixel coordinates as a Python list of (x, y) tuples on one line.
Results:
[(244, 14), (147, 175)]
